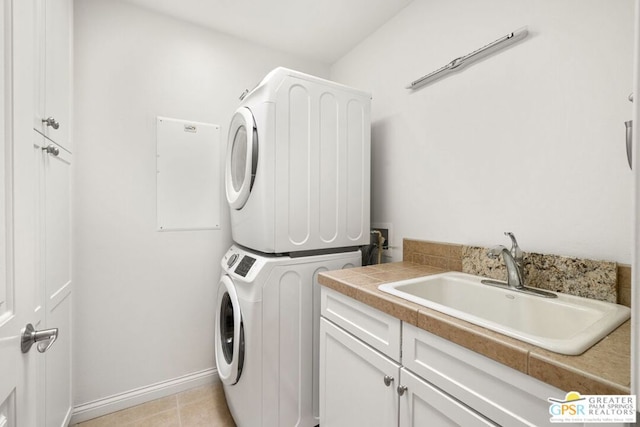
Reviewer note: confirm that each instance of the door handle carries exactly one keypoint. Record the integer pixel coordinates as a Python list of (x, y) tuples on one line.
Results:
[(45, 338)]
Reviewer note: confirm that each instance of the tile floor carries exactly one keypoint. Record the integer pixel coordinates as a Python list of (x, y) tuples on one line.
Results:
[(200, 407)]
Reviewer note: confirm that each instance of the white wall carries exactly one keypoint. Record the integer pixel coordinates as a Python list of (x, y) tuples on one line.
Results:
[(530, 140), (145, 300)]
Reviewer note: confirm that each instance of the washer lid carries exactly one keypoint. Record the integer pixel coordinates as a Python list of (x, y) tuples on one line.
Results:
[(242, 158), (229, 333)]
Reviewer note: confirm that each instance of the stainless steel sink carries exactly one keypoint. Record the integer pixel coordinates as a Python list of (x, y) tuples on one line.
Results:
[(567, 324)]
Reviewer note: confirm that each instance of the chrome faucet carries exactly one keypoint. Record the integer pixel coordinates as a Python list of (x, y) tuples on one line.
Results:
[(514, 261)]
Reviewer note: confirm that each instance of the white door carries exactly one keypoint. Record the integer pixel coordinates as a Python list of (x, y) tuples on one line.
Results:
[(357, 383), (19, 302), (19, 372)]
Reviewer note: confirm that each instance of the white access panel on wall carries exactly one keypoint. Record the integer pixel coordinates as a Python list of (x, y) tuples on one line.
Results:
[(188, 175)]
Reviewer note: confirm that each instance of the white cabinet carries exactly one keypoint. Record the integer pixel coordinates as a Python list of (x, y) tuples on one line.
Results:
[(53, 167), (349, 368), (360, 385), (435, 382), (53, 59)]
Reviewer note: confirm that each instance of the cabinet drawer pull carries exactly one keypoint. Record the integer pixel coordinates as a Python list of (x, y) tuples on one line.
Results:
[(51, 122), (401, 389), (388, 380)]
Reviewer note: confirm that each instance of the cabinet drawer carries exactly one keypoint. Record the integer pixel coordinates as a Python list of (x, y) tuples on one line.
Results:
[(372, 326), (504, 395)]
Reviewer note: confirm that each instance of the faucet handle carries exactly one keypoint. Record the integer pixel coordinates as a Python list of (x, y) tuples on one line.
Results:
[(516, 252), (495, 252)]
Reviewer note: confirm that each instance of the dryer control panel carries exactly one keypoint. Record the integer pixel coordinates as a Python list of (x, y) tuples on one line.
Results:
[(245, 265)]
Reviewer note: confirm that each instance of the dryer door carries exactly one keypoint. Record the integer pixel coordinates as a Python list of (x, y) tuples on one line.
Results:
[(229, 333), (242, 158)]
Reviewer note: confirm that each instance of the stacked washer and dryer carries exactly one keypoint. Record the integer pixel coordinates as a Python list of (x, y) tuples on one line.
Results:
[(297, 179)]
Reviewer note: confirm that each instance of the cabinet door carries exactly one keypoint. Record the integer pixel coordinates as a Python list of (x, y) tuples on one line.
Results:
[(54, 171), (352, 382), (422, 404), (53, 48)]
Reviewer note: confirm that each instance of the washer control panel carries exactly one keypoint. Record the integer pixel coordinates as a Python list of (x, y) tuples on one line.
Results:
[(245, 265)]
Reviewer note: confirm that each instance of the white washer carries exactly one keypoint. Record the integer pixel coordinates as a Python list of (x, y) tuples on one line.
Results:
[(297, 172), (267, 335)]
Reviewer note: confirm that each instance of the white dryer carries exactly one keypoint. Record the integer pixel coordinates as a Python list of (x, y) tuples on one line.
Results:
[(297, 172), (267, 335)]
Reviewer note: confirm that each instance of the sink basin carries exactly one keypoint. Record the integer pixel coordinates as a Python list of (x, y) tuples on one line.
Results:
[(567, 324)]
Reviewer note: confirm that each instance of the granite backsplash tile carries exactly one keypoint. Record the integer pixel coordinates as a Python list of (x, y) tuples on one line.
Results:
[(576, 276)]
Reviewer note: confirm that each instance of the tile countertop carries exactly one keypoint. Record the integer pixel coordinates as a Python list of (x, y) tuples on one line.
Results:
[(605, 368)]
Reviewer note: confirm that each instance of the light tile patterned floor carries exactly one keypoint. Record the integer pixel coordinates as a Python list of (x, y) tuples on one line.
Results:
[(199, 407)]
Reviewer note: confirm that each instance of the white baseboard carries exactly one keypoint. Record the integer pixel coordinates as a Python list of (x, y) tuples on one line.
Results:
[(118, 402)]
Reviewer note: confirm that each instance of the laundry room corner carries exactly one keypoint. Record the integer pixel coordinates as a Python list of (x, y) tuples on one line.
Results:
[(145, 299)]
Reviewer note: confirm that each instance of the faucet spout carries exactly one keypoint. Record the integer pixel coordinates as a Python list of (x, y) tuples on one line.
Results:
[(514, 275), (516, 252), (514, 261)]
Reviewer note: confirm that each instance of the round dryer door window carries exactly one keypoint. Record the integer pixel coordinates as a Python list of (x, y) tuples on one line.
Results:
[(229, 333), (242, 158)]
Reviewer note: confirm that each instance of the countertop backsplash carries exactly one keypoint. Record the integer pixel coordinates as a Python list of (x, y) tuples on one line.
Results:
[(576, 276)]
